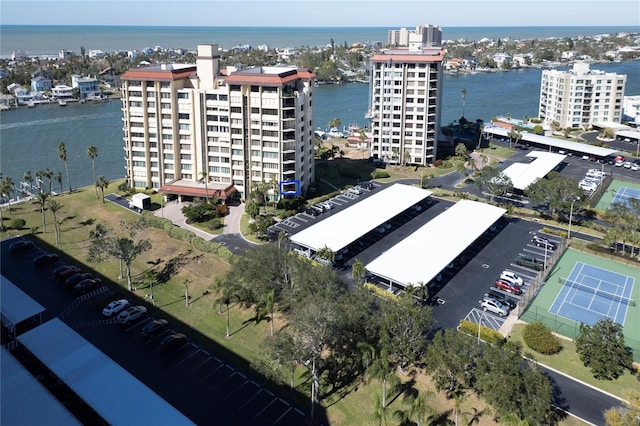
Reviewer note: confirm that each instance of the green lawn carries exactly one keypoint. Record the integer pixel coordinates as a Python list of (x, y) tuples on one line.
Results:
[(568, 362)]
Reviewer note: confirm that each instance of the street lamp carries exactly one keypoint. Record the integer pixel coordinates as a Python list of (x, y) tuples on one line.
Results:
[(571, 217)]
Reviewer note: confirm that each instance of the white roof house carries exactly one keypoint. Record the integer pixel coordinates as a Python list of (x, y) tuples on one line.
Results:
[(524, 174), (421, 256)]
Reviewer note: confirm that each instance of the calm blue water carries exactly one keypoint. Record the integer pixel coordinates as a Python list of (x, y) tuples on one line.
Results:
[(29, 137), (48, 40)]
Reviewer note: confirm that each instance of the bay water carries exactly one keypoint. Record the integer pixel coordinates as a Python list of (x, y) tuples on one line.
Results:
[(29, 137)]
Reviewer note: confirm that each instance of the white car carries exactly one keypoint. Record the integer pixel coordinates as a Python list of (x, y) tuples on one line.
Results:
[(131, 314), (627, 165), (635, 167), (490, 304), (512, 276), (356, 190), (115, 307), (327, 205)]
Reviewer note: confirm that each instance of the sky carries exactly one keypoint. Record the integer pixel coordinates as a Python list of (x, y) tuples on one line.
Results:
[(323, 13)]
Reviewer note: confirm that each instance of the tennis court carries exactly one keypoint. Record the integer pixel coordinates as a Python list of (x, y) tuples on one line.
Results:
[(582, 288), (590, 293), (618, 191)]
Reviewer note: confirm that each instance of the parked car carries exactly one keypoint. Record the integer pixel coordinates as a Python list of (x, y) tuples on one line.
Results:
[(508, 287), (530, 262), (21, 246), (543, 242), (627, 164), (75, 279), (635, 167), (489, 304), (61, 275), (115, 307), (502, 298), (173, 342), (45, 259), (312, 212), (356, 190), (512, 276), (327, 205), (154, 328), (87, 285), (131, 314)]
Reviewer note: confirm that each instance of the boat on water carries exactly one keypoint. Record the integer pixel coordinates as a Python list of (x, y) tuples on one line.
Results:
[(62, 102), (31, 104)]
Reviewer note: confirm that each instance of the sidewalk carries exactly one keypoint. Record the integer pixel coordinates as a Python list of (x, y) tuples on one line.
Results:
[(173, 212)]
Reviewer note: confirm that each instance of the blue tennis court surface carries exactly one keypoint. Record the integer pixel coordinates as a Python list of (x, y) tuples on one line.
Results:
[(590, 293), (624, 193)]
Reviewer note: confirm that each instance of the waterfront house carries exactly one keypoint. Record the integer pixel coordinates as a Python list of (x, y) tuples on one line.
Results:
[(501, 58), (40, 84), (88, 87), (6, 102), (62, 92)]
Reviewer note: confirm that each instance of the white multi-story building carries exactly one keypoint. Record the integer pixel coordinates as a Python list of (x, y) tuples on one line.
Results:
[(428, 35), (189, 130), (406, 97), (581, 97)]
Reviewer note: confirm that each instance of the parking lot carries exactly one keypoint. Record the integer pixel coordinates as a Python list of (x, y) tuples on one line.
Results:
[(194, 379)]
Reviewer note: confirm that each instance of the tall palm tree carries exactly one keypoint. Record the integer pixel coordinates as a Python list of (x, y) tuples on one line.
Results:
[(92, 152), (58, 178), (205, 178), (463, 92), (6, 188), (102, 183), (54, 207), (49, 175), (41, 198), (27, 177), (39, 176), (62, 154)]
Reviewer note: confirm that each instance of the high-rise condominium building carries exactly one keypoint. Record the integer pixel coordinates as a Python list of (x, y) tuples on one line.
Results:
[(581, 97), (192, 130), (406, 98), (428, 35)]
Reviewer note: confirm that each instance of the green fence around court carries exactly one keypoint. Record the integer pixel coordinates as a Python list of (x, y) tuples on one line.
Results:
[(535, 303), (603, 200)]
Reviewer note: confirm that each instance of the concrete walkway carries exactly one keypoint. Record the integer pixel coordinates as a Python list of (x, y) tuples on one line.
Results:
[(231, 237)]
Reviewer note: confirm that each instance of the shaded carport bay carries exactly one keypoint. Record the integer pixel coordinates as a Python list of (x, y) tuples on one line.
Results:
[(114, 393), (550, 143), (338, 231), (421, 256), (17, 308), (524, 174)]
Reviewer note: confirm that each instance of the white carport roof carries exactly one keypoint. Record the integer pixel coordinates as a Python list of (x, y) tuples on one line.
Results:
[(15, 305), (115, 394), (556, 143), (631, 134), (426, 252), (24, 401), (346, 226), (524, 174)]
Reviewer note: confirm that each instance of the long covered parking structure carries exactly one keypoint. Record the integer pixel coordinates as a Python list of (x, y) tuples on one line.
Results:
[(546, 142), (117, 396), (421, 256), (16, 307), (524, 174), (338, 231)]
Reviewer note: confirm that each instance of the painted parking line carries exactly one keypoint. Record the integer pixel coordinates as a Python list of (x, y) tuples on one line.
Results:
[(156, 337), (139, 323), (192, 370), (206, 376), (219, 375), (274, 400), (248, 400), (221, 382), (189, 357), (301, 218)]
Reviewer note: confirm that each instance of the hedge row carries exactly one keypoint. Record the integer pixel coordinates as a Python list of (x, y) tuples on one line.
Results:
[(486, 334), (540, 338), (196, 242), (380, 292), (553, 231)]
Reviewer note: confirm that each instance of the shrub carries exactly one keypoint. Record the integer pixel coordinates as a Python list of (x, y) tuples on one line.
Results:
[(18, 223), (437, 163), (540, 338), (214, 224), (380, 174), (487, 334), (380, 292)]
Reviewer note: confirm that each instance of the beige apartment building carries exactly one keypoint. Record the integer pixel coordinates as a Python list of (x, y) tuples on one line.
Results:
[(580, 97), (196, 130), (406, 98)]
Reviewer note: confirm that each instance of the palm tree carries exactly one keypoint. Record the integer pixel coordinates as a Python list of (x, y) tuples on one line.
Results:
[(58, 178), (205, 178), (463, 92), (39, 176), (27, 177), (6, 188), (62, 154), (41, 198), (54, 207), (92, 152), (49, 175), (102, 183), (382, 369)]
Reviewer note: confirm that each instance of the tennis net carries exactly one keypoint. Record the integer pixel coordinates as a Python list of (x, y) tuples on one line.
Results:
[(602, 293)]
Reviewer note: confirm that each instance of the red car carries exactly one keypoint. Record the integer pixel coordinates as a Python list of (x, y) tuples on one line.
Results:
[(508, 287)]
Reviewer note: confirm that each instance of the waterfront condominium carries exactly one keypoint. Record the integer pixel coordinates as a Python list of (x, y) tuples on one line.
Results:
[(580, 97), (406, 98), (198, 131)]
